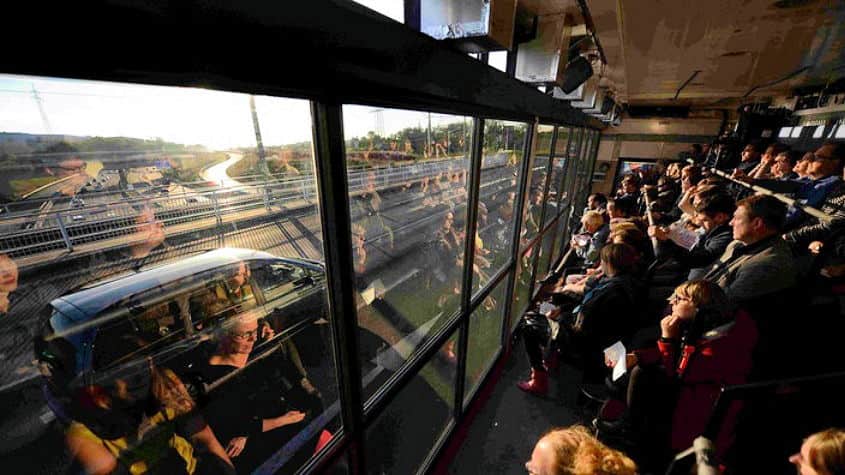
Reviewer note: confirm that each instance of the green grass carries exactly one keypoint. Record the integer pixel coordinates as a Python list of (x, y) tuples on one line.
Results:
[(25, 185)]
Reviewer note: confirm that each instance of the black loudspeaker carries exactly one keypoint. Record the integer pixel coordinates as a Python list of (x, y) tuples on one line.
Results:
[(577, 71)]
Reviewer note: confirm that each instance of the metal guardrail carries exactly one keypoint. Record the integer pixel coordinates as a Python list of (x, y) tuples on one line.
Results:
[(37, 232), (814, 212)]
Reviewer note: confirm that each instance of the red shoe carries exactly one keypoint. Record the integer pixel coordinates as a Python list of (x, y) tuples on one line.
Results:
[(324, 439), (538, 384)]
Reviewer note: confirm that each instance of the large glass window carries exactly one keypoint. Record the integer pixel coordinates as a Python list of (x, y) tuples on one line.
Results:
[(545, 256), (408, 202), (522, 285), (161, 271), (553, 204), (402, 436), (562, 165), (531, 223), (485, 328), (504, 144)]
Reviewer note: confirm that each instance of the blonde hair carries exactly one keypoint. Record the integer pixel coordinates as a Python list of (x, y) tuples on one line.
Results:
[(170, 392), (577, 452), (593, 218), (827, 451)]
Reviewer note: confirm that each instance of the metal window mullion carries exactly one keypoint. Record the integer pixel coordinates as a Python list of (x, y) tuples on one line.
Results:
[(520, 205), (332, 189), (474, 186)]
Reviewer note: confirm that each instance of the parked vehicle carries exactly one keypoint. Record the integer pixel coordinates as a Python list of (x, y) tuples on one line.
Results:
[(175, 310)]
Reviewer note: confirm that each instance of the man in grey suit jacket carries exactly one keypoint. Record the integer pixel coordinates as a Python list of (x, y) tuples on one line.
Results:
[(758, 263)]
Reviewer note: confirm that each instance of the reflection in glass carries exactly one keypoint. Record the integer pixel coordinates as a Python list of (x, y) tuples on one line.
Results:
[(544, 140), (407, 184), (504, 145), (161, 294), (559, 230), (401, 437), (545, 256), (485, 328), (536, 187), (522, 287)]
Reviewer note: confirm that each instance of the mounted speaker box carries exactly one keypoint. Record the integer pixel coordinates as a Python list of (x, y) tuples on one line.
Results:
[(588, 99), (575, 95), (539, 60), (600, 107), (577, 72), (475, 26)]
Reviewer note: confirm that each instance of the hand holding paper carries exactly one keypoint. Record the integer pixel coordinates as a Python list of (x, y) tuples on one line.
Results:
[(615, 355)]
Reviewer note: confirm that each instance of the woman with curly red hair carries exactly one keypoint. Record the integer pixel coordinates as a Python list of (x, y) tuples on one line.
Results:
[(574, 451)]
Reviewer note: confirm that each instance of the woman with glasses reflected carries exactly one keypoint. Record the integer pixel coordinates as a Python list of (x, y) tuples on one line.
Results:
[(258, 402)]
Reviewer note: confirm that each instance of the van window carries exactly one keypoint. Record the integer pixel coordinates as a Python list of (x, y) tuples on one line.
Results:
[(277, 279), (155, 326), (223, 297)]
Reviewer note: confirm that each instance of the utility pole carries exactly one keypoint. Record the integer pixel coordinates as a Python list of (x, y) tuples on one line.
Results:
[(428, 136), (262, 160), (47, 128)]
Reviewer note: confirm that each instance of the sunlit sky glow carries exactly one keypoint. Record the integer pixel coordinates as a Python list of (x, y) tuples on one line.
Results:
[(218, 120)]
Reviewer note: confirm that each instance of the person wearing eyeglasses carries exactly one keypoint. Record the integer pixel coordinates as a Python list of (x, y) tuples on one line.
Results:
[(704, 343), (261, 403), (824, 170)]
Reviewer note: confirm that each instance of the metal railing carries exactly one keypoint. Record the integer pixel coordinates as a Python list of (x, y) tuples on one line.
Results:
[(107, 217)]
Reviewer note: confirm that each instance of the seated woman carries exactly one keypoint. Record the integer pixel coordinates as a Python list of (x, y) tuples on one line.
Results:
[(574, 451), (260, 404), (142, 423), (823, 453), (704, 344), (603, 315)]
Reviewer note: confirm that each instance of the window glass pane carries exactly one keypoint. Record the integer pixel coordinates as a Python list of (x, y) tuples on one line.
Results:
[(407, 183), (485, 336), (572, 163), (559, 230), (553, 205), (544, 140), (522, 287), (532, 224), (562, 141), (503, 153), (154, 252), (544, 258), (581, 178), (402, 436)]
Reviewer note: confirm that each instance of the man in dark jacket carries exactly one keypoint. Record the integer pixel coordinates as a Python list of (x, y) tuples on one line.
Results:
[(713, 213), (758, 263)]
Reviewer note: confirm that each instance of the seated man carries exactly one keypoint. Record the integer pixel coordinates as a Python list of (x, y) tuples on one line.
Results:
[(713, 213), (758, 263), (825, 173)]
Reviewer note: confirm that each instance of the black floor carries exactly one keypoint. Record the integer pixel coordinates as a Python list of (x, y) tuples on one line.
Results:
[(505, 429)]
